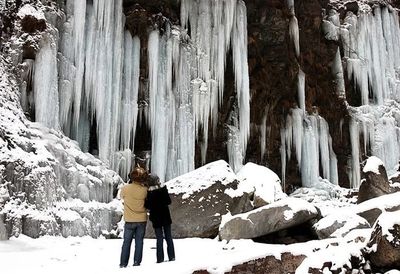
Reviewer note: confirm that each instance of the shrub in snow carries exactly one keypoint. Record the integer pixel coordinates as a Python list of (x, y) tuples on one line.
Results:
[(374, 182), (384, 245)]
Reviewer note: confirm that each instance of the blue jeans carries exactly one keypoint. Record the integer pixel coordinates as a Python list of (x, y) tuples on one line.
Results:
[(168, 239), (132, 230)]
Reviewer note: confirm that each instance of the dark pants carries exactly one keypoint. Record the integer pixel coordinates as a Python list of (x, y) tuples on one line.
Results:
[(132, 230), (168, 239)]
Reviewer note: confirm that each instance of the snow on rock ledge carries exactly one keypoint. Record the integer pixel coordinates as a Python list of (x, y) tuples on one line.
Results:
[(267, 219), (339, 225), (373, 208), (372, 165)]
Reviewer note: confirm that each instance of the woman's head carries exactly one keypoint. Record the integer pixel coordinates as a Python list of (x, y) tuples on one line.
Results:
[(138, 174), (153, 180)]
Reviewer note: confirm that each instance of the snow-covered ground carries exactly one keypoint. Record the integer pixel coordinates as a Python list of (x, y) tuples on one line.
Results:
[(87, 255)]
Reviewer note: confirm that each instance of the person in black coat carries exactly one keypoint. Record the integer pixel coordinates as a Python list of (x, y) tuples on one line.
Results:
[(157, 202)]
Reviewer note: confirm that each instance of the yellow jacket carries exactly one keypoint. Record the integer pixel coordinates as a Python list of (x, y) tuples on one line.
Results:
[(133, 196)]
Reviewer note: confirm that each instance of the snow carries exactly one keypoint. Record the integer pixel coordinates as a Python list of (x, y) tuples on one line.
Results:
[(383, 202), (86, 255), (201, 178), (261, 180), (28, 10), (387, 221), (372, 165), (347, 221)]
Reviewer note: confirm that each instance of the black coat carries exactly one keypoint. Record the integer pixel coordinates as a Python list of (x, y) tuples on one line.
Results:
[(157, 202)]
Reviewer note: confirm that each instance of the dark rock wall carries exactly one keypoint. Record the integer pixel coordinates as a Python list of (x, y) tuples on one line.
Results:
[(273, 68)]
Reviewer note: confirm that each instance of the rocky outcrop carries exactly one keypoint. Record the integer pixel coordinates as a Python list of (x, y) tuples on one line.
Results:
[(201, 197), (277, 216), (338, 225), (385, 241), (374, 182)]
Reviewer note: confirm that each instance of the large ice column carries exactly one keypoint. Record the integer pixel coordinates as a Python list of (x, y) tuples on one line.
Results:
[(294, 27), (45, 83), (301, 87), (171, 105), (239, 45), (309, 134), (214, 27), (337, 71)]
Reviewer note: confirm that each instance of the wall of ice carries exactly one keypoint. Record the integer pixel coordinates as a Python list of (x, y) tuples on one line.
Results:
[(371, 57), (98, 81)]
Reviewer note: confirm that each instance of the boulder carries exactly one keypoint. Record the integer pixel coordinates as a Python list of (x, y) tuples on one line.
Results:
[(201, 197), (374, 181), (36, 225), (71, 224), (279, 215), (385, 241), (371, 209), (261, 181), (339, 225)]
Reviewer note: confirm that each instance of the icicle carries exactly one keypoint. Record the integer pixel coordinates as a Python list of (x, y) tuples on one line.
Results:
[(337, 71), (354, 175), (309, 167), (301, 89), (45, 83), (294, 34), (313, 147), (235, 155), (283, 156), (372, 59), (239, 45), (263, 136)]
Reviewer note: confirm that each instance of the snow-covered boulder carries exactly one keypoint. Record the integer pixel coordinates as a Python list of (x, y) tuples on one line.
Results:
[(375, 182), (338, 225), (279, 215), (261, 181), (373, 208), (201, 197), (385, 241)]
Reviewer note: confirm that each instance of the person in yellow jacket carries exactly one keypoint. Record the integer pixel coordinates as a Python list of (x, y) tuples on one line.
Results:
[(133, 196)]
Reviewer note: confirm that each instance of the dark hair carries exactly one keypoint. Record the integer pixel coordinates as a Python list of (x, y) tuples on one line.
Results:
[(153, 180), (138, 174)]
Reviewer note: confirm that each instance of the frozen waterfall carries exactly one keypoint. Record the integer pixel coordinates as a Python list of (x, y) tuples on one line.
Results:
[(309, 135), (95, 84)]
